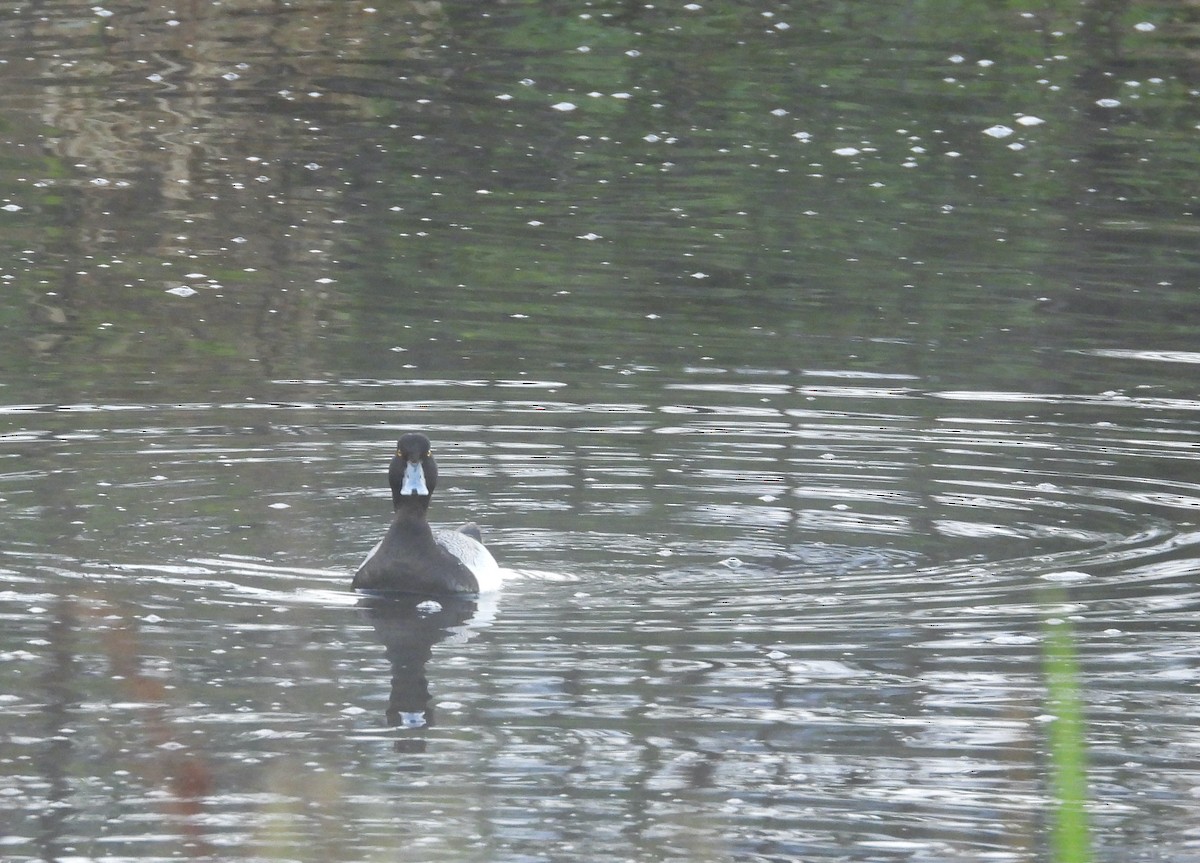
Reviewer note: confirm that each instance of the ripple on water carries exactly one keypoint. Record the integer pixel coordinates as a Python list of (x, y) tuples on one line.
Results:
[(721, 620)]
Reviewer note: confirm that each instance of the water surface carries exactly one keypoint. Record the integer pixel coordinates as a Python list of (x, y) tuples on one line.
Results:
[(823, 377)]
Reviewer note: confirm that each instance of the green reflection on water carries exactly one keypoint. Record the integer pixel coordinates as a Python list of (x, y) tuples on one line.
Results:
[(733, 181), (1069, 836)]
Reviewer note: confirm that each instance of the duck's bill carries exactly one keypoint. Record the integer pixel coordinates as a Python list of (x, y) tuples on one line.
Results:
[(414, 479)]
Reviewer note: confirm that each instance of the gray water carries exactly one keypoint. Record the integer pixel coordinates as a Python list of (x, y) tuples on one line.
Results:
[(823, 376)]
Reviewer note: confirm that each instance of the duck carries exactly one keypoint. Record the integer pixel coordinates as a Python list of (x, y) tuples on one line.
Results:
[(413, 557)]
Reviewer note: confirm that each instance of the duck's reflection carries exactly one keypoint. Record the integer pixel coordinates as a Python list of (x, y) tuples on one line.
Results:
[(409, 627)]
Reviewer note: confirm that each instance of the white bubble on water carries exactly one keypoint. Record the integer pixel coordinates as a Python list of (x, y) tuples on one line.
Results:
[(1068, 575)]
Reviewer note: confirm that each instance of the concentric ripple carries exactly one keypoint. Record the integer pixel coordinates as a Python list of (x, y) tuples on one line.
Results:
[(758, 625)]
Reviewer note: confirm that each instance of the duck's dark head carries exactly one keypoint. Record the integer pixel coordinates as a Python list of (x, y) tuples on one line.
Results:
[(413, 472)]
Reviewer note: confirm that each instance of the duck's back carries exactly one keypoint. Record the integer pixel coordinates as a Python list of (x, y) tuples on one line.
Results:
[(412, 558), (465, 544)]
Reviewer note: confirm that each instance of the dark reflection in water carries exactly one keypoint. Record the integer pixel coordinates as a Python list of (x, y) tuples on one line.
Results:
[(215, 196), (60, 700), (409, 627)]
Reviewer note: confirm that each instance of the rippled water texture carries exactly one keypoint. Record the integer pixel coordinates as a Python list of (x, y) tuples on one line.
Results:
[(823, 377)]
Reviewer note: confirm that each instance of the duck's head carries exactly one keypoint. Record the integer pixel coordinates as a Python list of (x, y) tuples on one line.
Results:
[(413, 472)]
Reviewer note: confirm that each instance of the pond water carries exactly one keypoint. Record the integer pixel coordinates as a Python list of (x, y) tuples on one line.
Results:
[(823, 376)]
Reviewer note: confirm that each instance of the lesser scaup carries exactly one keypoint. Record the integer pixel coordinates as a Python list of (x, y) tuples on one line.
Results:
[(413, 557)]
